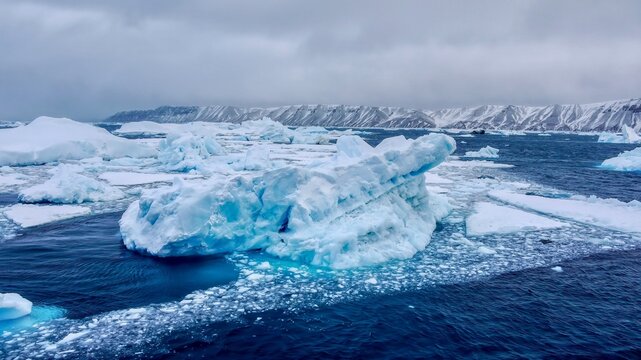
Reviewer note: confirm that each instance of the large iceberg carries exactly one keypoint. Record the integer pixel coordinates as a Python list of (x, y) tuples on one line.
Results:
[(68, 186), (364, 206), (626, 161), (48, 139), (13, 306)]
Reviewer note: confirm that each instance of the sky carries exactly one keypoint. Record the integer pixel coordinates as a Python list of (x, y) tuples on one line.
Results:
[(89, 59)]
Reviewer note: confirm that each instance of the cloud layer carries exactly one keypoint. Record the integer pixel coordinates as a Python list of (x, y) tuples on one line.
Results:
[(91, 59)]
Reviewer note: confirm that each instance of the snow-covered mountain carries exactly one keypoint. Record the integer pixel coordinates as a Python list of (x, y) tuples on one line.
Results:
[(606, 116)]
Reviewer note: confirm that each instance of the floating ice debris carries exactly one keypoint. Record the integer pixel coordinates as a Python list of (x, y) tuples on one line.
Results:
[(13, 306), (365, 206), (557, 269), (48, 139), (489, 218), (486, 152)]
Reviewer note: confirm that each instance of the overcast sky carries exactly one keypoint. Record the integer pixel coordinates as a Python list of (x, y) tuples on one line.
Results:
[(88, 59)]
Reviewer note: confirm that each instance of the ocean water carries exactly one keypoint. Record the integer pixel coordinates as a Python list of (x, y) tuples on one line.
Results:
[(591, 308)]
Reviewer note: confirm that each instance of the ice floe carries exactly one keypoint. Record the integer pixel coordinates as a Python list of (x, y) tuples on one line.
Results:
[(121, 178), (28, 215), (48, 139), (489, 218), (628, 136), (608, 213)]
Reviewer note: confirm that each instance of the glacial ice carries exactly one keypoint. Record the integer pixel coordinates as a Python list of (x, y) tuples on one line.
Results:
[(486, 152), (364, 206), (48, 139), (122, 178), (13, 306), (68, 186), (489, 218), (626, 161)]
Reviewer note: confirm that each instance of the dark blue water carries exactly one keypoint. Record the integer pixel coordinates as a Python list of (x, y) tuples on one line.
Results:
[(83, 267), (591, 309)]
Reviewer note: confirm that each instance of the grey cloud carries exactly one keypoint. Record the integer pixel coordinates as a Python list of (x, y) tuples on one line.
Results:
[(88, 59)]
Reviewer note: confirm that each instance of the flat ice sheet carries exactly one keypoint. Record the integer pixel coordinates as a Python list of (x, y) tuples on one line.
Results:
[(489, 218), (34, 215), (611, 214)]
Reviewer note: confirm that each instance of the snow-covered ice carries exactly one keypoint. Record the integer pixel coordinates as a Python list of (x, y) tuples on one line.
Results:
[(607, 213), (365, 206), (68, 186), (48, 139), (489, 218), (28, 215), (486, 152), (626, 161), (13, 306), (185, 151)]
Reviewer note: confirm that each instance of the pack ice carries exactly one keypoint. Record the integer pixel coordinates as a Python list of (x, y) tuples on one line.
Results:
[(364, 206), (48, 139)]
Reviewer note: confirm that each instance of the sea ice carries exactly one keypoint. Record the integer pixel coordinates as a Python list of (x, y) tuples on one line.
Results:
[(365, 206), (626, 161), (13, 306), (48, 139), (489, 218), (27, 215), (68, 186), (486, 152), (607, 213)]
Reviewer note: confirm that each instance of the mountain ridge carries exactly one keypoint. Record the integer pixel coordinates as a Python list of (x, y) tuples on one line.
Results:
[(601, 116)]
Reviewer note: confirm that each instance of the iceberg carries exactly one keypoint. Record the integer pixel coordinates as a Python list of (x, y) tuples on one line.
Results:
[(13, 306), (628, 136), (68, 186), (184, 152), (363, 206), (626, 161), (268, 130), (48, 139), (489, 218), (486, 152)]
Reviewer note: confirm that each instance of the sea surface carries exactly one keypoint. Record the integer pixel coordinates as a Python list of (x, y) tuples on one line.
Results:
[(592, 308)]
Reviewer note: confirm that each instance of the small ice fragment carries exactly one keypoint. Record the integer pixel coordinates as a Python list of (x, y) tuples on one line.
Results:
[(372, 281), (557, 269)]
